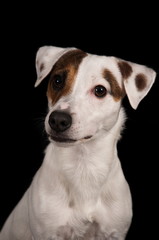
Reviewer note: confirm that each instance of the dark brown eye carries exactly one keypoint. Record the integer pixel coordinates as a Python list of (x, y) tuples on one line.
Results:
[(100, 91), (58, 81)]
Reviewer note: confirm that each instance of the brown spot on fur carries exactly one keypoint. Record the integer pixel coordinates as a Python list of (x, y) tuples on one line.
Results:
[(64, 232), (125, 69), (140, 81), (67, 64), (71, 203), (116, 91), (41, 67), (93, 232)]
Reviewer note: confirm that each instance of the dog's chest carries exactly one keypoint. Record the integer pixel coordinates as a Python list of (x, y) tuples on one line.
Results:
[(92, 231), (91, 221), (77, 202)]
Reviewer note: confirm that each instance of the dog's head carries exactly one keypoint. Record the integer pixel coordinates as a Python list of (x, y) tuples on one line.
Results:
[(85, 91)]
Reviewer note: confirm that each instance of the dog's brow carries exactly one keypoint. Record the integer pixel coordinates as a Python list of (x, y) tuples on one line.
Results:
[(116, 91)]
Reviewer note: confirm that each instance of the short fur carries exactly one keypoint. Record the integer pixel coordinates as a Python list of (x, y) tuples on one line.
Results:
[(80, 191)]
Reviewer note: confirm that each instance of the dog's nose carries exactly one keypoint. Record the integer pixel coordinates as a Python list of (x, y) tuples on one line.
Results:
[(60, 121)]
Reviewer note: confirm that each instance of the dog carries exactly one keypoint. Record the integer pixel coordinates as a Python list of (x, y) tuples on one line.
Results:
[(80, 192)]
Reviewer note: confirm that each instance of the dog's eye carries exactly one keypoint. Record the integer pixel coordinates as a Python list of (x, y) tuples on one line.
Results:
[(58, 81), (100, 91)]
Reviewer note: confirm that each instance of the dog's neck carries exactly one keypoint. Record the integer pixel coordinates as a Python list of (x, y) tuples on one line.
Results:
[(84, 166)]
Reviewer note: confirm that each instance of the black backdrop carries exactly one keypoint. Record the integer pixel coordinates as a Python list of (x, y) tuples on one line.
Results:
[(23, 107)]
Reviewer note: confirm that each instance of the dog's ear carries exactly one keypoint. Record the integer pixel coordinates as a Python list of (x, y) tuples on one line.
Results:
[(137, 79), (46, 57)]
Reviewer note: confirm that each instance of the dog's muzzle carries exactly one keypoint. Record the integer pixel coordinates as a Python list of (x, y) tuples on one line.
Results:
[(59, 122)]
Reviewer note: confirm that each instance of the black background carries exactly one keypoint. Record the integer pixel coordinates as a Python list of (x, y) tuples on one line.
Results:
[(23, 107)]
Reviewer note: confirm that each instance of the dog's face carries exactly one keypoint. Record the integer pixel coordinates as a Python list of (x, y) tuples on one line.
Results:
[(85, 91)]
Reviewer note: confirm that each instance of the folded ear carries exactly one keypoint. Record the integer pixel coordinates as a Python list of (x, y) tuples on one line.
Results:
[(46, 57), (137, 79)]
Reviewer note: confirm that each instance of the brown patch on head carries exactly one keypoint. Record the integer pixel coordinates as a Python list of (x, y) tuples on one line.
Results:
[(125, 69), (65, 69), (140, 81), (116, 91)]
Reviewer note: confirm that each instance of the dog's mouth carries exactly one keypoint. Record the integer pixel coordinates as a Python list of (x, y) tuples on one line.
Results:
[(61, 139), (67, 140)]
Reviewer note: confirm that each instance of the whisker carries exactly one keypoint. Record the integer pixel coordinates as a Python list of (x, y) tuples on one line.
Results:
[(39, 123)]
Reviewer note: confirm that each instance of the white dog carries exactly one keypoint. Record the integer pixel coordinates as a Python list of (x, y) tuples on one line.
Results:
[(80, 192)]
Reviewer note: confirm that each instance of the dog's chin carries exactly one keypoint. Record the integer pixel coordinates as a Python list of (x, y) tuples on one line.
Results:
[(63, 141)]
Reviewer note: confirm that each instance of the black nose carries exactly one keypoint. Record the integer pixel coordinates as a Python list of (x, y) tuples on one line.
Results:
[(60, 121)]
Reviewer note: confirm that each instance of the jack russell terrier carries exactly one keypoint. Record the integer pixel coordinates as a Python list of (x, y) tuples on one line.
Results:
[(80, 192)]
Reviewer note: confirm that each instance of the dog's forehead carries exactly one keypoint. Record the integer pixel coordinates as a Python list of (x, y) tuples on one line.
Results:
[(98, 70), (84, 68), (95, 65)]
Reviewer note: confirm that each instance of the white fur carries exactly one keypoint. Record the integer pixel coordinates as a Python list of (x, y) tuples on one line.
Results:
[(83, 182)]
